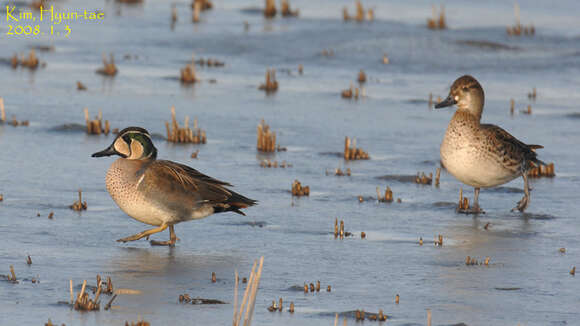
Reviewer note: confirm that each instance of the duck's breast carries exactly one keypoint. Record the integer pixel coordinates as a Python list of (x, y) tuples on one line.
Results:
[(123, 179)]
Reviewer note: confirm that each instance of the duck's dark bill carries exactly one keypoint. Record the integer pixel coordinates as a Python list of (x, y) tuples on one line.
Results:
[(449, 101), (107, 152)]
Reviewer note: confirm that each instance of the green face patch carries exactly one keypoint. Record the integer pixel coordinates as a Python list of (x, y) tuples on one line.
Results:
[(145, 141)]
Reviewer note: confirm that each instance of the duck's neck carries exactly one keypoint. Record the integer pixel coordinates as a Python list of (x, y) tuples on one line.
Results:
[(473, 108), (136, 167), (465, 117)]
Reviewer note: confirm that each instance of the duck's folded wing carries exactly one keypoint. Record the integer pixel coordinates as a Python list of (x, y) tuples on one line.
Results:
[(179, 188), (170, 182), (509, 147), (185, 174)]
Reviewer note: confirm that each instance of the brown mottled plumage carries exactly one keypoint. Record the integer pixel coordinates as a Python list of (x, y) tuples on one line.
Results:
[(189, 185), (482, 155), (159, 192)]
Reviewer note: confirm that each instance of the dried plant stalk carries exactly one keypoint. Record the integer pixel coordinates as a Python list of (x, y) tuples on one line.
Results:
[(177, 134)]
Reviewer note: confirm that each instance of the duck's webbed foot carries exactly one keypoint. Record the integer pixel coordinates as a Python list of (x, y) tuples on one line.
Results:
[(143, 234), (523, 203), (162, 243), (171, 242)]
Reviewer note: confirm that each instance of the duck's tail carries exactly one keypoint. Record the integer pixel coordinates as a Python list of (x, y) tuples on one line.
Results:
[(234, 203), (532, 157)]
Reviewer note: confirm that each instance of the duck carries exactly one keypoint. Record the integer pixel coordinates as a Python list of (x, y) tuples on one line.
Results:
[(162, 193), (482, 155)]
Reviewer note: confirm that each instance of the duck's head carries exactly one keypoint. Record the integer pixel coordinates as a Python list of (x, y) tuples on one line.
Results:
[(467, 93), (132, 143)]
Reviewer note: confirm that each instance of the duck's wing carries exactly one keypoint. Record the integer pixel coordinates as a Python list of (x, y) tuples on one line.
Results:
[(182, 187), (512, 151), (184, 174)]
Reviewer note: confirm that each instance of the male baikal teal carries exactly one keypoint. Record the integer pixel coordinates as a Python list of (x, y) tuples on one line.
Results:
[(482, 155), (159, 192)]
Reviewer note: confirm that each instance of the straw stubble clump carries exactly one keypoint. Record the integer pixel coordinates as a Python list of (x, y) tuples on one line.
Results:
[(361, 14), (79, 205), (298, 190), (109, 68), (518, 29), (13, 122), (266, 139), (540, 171), (95, 126), (271, 84), (437, 22), (187, 74), (351, 152), (29, 61), (177, 134)]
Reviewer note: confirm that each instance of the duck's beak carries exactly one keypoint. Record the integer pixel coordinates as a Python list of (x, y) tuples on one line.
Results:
[(106, 152), (449, 101)]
